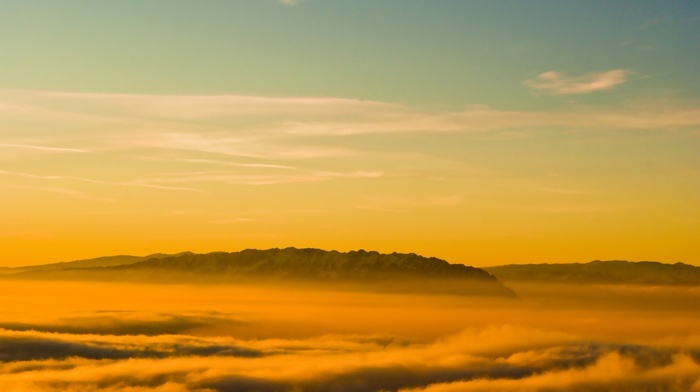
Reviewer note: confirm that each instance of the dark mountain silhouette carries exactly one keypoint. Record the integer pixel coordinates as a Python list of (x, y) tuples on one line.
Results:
[(601, 272), (310, 267)]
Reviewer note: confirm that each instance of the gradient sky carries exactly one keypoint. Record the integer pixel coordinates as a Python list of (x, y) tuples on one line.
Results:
[(481, 132)]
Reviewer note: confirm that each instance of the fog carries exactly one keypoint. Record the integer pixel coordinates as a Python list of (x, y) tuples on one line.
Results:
[(82, 336)]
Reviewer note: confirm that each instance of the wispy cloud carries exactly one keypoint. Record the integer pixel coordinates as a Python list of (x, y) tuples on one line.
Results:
[(480, 120), (402, 204), (33, 102), (276, 140), (135, 183), (62, 191), (260, 179), (237, 144), (40, 148), (237, 164), (569, 208), (561, 191), (558, 83), (289, 128)]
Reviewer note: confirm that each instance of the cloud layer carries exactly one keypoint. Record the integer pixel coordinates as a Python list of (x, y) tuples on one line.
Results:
[(267, 140), (207, 350), (502, 358)]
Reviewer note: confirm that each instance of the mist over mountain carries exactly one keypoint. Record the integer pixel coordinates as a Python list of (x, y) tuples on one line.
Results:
[(356, 269), (601, 272), (105, 261)]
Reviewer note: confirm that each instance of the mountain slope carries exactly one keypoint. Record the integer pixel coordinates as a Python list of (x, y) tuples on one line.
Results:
[(357, 269), (105, 261), (601, 272)]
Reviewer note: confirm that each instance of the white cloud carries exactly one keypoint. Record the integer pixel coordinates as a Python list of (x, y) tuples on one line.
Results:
[(558, 83)]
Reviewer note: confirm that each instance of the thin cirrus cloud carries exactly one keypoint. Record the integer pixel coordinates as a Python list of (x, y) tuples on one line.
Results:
[(237, 164), (250, 146), (398, 204), (256, 135), (290, 128), (163, 182), (558, 83), (62, 191), (191, 107), (40, 148), (135, 183), (261, 179)]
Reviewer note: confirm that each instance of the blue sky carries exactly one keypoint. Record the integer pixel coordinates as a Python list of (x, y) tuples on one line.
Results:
[(446, 53)]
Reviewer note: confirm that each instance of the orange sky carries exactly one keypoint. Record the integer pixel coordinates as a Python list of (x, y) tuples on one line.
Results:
[(408, 135)]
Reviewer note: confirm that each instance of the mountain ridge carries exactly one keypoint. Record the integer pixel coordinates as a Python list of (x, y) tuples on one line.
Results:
[(309, 266), (601, 272), (358, 266)]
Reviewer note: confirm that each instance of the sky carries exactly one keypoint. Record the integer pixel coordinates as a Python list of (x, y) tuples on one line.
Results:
[(481, 132)]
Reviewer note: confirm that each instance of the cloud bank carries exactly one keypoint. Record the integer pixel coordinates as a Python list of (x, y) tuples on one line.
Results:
[(496, 359), (206, 350)]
